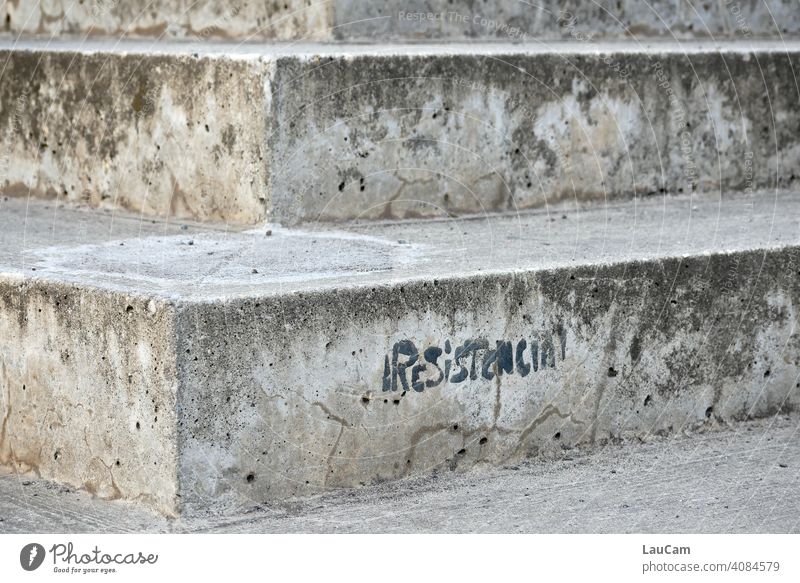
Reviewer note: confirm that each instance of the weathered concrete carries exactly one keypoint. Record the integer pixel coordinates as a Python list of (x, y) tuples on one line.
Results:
[(741, 479), (163, 134), (203, 19), (87, 377), (89, 390), (517, 20), (314, 132), (477, 130), (514, 20), (306, 361)]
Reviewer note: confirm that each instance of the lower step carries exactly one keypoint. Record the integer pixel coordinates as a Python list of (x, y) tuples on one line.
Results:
[(193, 369), (314, 132)]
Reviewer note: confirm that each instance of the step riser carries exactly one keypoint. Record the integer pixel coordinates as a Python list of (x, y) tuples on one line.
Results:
[(130, 132), (79, 369), (297, 139), (403, 20), (287, 396), (165, 19), (228, 388), (400, 137)]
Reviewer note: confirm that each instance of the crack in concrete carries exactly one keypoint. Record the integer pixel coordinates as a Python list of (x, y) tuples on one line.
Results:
[(546, 413)]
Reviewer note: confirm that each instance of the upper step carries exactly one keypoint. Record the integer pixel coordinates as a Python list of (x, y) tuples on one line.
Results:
[(195, 368), (302, 133), (508, 20)]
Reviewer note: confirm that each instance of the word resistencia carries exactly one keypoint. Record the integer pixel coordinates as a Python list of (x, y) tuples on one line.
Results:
[(406, 367)]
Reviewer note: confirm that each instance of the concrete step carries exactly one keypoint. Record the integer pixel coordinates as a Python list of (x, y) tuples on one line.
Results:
[(320, 132), (741, 479), (402, 20), (195, 368)]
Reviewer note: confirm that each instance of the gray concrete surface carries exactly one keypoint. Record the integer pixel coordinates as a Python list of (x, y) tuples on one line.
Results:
[(519, 20), (252, 366), (399, 20), (743, 478), (179, 260), (203, 19), (303, 133)]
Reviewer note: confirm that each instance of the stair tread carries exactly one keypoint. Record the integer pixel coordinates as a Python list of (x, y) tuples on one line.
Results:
[(193, 261)]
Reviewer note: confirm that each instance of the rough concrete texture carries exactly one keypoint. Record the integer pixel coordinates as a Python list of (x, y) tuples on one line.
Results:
[(179, 19), (520, 20), (87, 377), (329, 132), (497, 129), (742, 479), (298, 361), (167, 135), (89, 387), (514, 20)]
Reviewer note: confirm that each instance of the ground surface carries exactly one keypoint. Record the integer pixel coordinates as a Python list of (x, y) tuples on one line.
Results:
[(242, 49), (743, 478)]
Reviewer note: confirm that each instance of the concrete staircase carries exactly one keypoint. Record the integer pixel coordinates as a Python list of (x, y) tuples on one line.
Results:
[(237, 272)]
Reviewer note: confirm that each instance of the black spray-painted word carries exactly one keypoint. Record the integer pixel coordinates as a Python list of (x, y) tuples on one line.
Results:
[(471, 360)]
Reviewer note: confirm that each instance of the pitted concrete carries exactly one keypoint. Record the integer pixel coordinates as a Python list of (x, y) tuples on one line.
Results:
[(177, 19), (168, 135), (411, 348), (737, 479), (206, 263), (398, 20), (305, 133)]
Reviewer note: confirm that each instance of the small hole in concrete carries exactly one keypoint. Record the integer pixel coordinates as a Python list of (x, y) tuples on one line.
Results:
[(455, 427), (138, 425), (647, 400), (365, 399), (129, 309), (56, 455), (461, 451), (612, 372), (250, 477), (709, 412), (396, 401), (483, 440), (117, 463), (766, 373), (557, 435)]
